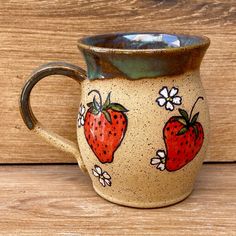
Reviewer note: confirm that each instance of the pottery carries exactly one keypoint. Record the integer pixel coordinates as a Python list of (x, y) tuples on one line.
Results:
[(143, 121)]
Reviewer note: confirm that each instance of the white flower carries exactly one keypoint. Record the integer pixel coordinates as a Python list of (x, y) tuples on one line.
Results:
[(104, 177), (81, 115), (159, 160), (169, 98)]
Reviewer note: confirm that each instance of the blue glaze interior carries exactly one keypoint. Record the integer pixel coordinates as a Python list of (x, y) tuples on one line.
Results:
[(141, 41)]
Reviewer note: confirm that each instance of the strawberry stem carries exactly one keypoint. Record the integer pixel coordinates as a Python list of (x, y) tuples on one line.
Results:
[(194, 107), (100, 97)]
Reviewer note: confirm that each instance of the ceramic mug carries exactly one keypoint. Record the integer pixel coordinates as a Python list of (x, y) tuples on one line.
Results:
[(143, 121)]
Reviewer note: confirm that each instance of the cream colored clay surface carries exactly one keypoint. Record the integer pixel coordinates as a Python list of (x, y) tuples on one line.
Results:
[(61, 143), (135, 182)]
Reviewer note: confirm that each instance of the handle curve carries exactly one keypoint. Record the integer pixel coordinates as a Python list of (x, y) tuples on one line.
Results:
[(52, 68)]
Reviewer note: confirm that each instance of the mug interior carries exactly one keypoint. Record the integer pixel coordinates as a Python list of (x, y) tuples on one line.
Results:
[(142, 41), (141, 55)]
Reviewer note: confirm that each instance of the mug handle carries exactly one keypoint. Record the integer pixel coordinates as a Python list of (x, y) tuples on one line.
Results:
[(53, 68)]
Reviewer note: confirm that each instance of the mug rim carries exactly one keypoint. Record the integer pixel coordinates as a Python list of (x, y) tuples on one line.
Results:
[(202, 42)]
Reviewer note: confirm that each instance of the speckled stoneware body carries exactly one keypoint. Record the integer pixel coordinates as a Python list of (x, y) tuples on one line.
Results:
[(143, 120)]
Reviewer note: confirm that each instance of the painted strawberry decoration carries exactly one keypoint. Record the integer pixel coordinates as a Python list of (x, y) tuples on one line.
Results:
[(183, 137), (105, 127)]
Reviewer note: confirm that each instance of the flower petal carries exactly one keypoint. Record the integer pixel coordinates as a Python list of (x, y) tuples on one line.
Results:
[(161, 166), (82, 120), (155, 161), (98, 169), (161, 153), (169, 106), (177, 100), (164, 92), (95, 173), (173, 92), (79, 123), (108, 182), (106, 175), (82, 110), (161, 101), (102, 181)]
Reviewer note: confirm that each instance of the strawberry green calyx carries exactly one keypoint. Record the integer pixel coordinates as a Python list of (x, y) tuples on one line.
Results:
[(187, 120), (94, 106), (98, 107)]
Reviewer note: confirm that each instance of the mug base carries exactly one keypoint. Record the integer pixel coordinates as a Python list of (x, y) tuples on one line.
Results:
[(143, 205)]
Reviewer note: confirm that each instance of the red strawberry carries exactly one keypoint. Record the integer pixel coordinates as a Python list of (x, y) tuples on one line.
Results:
[(105, 127), (183, 138)]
